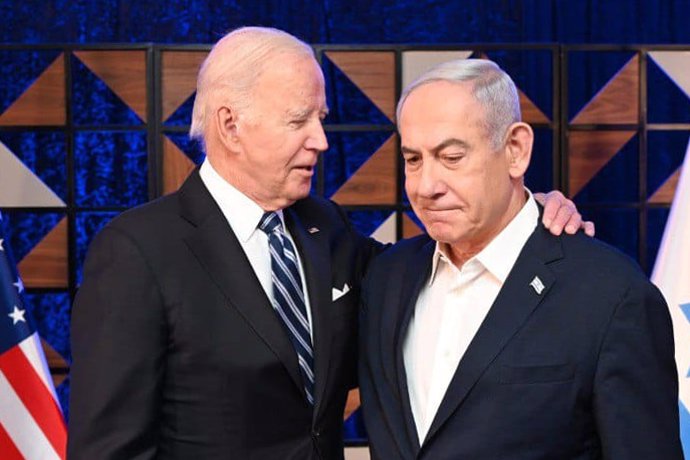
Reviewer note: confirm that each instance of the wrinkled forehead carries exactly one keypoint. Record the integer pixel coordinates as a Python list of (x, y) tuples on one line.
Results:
[(440, 100), (294, 81)]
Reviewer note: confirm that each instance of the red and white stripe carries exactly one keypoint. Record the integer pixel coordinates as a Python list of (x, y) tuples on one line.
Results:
[(31, 422)]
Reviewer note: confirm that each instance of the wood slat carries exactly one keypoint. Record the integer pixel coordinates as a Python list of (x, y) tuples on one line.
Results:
[(618, 101), (56, 363), (178, 79), (410, 227), (530, 112), (124, 72), (352, 404), (589, 151), (374, 182), (43, 102), (46, 266), (373, 72), (667, 191), (176, 166)]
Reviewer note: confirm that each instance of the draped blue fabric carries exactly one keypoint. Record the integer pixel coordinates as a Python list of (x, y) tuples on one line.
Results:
[(352, 21)]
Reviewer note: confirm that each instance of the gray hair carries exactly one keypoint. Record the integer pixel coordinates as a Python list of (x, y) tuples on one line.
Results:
[(493, 89), (232, 68)]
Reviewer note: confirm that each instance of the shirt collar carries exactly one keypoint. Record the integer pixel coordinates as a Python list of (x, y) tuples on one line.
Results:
[(499, 256), (242, 213)]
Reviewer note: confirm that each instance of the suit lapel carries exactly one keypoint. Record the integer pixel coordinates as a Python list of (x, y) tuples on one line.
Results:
[(219, 252), (315, 257), (415, 277), (515, 303)]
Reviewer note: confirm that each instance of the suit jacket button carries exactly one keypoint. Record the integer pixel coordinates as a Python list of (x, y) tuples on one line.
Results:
[(316, 433)]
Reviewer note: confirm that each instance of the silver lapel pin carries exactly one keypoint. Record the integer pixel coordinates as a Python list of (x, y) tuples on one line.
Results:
[(537, 285)]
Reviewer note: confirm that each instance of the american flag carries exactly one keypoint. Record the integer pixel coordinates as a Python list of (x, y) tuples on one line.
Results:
[(31, 422)]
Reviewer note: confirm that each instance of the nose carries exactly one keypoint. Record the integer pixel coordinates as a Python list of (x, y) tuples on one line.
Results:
[(317, 137), (430, 183)]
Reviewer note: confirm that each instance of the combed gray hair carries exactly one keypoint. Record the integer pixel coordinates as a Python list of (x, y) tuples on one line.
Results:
[(232, 68), (493, 89)]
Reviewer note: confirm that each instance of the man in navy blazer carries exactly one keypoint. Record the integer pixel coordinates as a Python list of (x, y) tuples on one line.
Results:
[(491, 338)]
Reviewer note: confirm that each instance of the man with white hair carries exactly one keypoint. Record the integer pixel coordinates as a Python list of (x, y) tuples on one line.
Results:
[(502, 340), (221, 321)]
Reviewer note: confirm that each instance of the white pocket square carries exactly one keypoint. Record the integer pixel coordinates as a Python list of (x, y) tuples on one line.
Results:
[(338, 293)]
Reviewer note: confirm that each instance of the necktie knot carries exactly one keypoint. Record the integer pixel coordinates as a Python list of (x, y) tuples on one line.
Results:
[(269, 223)]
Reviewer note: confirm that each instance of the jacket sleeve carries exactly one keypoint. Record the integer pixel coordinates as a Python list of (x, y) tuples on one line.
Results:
[(636, 386), (118, 344)]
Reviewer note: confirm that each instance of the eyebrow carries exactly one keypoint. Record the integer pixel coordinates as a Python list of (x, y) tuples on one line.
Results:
[(304, 113), (450, 142)]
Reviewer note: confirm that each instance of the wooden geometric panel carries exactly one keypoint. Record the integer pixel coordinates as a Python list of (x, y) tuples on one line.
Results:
[(676, 64), (176, 166), (387, 231), (43, 103), (352, 404), (124, 72), (46, 265), (589, 151), (530, 112), (57, 364), (374, 182), (415, 63), (178, 77), (618, 102), (20, 187), (667, 191), (373, 72), (410, 227)]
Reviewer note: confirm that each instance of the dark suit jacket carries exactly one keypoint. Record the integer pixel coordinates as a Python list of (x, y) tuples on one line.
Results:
[(178, 354), (584, 370)]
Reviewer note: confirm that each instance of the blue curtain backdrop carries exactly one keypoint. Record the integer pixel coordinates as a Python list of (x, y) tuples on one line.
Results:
[(316, 22), (348, 21)]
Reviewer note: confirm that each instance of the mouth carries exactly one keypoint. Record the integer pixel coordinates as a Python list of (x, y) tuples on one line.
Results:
[(305, 169)]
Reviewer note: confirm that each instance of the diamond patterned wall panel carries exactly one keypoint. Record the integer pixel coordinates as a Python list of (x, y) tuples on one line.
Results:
[(124, 72), (43, 103), (178, 78), (375, 181), (373, 73), (618, 101), (589, 151), (46, 264)]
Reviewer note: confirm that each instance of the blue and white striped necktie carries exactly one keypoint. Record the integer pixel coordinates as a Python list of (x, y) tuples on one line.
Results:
[(288, 296)]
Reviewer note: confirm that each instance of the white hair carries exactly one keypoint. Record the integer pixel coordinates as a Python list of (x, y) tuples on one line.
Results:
[(492, 88), (232, 68)]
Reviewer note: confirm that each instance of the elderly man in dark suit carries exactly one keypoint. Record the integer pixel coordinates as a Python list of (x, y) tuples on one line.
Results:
[(491, 338), (220, 322)]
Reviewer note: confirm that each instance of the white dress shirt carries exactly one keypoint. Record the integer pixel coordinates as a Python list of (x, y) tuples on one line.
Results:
[(451, 308), (244, 215)]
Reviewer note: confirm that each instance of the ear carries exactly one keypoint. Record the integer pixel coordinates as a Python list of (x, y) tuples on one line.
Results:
[(225, 125), (519, 140)]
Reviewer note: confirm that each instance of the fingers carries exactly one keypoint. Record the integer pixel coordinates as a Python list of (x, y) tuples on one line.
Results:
[(557, 212), (561, 214), (567, 219)]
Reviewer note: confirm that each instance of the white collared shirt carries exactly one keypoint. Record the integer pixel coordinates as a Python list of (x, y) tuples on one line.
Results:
[(450, 310), (244, 215)]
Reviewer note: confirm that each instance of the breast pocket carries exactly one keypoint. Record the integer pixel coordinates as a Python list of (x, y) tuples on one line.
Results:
[(553, 373)]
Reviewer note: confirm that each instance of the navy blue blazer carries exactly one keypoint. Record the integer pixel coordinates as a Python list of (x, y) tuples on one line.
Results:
[(583, 370), (178, 354)]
